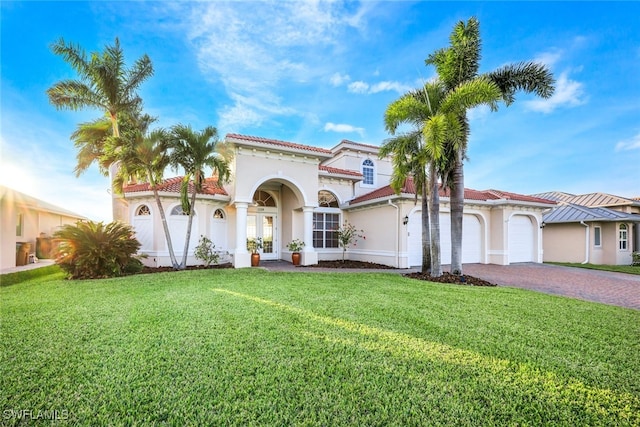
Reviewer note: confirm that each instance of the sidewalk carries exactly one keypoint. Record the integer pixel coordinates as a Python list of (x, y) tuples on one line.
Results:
[(41, 263)]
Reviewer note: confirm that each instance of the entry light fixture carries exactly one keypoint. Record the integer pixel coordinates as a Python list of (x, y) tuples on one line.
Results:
[(405, 220)]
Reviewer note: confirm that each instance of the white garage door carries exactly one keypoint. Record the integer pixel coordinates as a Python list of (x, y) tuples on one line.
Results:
[(471, 240), (521, 239)]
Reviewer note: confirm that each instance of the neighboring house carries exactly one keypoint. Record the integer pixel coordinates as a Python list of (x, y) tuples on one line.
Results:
[(24, 220), (594, 228), (281, 191)]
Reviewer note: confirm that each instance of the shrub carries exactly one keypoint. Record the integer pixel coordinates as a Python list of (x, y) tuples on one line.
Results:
[(348, 235), (295, 245), (635, 259), (90, 250), (205, 251)]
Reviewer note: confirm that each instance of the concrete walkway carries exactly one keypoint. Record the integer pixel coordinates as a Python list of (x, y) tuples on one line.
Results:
[(41, 263), (606, 287)]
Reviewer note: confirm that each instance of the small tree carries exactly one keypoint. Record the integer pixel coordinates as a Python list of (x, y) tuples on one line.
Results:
[(348, 235), (205, 251)]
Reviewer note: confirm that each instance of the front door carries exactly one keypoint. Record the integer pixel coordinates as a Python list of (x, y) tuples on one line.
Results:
[(263, 225)]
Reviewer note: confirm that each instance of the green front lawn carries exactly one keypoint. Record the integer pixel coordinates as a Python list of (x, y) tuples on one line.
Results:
[(250, 347), (629, 269)]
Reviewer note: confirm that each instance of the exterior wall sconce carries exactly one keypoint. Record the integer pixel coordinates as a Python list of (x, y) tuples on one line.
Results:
[(405, 220)]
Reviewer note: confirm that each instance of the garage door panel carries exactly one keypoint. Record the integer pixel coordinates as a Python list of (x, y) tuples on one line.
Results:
[(521, 239), (471, 241)]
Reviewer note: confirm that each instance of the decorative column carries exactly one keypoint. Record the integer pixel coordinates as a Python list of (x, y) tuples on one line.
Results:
[(309, 254), (242, 257)]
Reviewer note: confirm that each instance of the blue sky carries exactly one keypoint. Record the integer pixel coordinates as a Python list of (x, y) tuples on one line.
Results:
[(319, 72)]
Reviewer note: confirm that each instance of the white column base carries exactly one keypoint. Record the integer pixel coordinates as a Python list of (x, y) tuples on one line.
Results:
[(242, 260)]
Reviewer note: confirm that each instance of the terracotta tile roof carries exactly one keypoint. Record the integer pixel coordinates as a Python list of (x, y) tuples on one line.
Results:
[(469, 194), (284, 144), (172, 185), (347, 141), (339, 171)]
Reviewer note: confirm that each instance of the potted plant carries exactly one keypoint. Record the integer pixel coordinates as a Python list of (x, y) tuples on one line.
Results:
[(254, 244), (295, 246)]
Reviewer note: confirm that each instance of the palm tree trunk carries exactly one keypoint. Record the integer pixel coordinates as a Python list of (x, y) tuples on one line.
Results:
[(426, 233), (118, 205), (457, 212), (436, 263), (165, 227), (183, 265)]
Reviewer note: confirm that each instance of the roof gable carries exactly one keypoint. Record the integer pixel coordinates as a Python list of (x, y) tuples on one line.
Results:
[(284, 145)]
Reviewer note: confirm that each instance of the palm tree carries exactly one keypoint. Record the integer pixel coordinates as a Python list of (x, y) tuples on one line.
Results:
[(145, 158), (193, 151), (409, 158), (104, 83), (434, 111), (457, 64)]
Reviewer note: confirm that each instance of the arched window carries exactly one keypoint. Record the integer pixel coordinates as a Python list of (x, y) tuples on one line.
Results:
[(143, 210), (623, 237), (368, 171), (262, 198), (326, 221), (177, 210), (218, 214), (326, 199)]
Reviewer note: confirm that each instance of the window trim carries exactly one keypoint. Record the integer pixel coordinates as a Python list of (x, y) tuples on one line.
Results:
[(325, 211), (623, 242), (372, 167)]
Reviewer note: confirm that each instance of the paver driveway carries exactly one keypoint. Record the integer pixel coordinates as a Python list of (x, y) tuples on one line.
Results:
[(591, 285)]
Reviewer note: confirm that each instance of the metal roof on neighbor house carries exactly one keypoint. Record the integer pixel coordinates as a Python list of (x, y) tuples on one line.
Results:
[(575, 213), (590, 199), (556, 196)]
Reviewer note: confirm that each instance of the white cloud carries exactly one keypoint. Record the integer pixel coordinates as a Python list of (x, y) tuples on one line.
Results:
[(333, 127), (549, 58), (339, 79), (255, 48), (384, 86), (632, 143), (568, 93), (358, 87), (389, 86)]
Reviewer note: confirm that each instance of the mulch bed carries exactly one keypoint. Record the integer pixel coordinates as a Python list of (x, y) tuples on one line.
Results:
[(350, 264), (451, 278), (151, 270)]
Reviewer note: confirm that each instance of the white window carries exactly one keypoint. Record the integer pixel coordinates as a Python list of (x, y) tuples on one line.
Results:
[(218, 214), (143, 210), (597, 236), (177, 210), (368, 171), (325, 229), (622, 237)]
